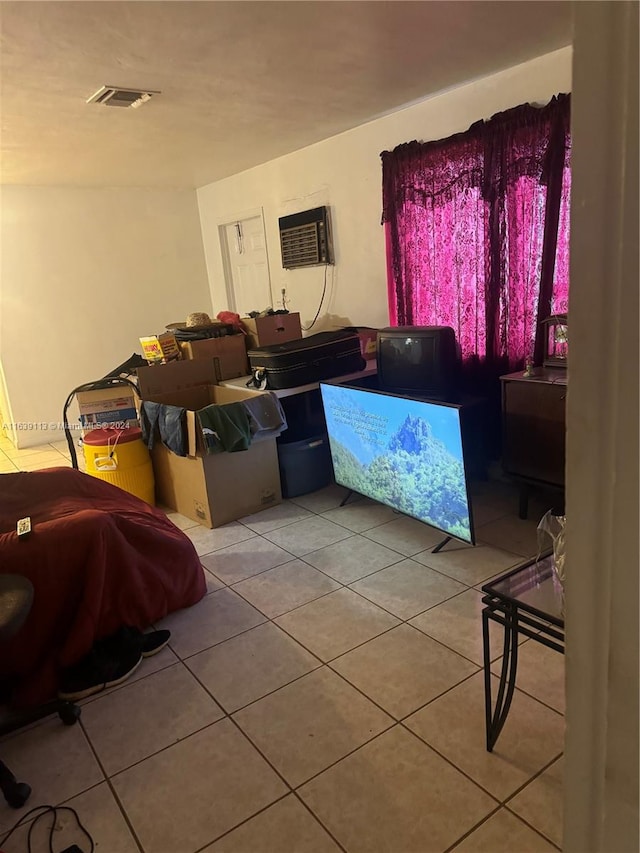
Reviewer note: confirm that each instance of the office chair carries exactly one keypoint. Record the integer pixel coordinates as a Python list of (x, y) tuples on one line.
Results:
[(16, 598)]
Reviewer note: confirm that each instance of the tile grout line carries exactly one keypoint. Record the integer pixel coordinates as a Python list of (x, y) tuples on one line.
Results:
[(242, 822), (119, 772), (286, 612), (531, 826), (17, 824), (502, 802), (242, 542), (533, 778), (316, 817), (114, 793), (450, 761), (530, 695), (253, 701), (451, 849), (102, 694)]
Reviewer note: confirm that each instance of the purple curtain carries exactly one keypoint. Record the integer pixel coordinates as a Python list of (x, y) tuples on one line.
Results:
[(477, 230)]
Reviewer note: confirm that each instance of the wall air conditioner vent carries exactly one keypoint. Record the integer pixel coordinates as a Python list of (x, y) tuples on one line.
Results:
[(305, 238), (112, 96)]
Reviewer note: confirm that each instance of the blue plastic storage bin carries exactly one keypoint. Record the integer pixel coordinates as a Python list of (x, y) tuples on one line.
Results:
[(305, 466)]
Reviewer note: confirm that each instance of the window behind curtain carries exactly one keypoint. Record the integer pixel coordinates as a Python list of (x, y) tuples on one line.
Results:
[(478, 232)]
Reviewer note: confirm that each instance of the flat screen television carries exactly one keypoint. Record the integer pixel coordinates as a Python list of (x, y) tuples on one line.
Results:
[(420, 360), (403, 452)]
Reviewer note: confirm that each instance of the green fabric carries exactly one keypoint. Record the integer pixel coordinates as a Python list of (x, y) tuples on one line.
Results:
[(225, 428)]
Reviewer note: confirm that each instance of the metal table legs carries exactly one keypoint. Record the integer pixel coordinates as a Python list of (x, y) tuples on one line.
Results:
[(495, 718)]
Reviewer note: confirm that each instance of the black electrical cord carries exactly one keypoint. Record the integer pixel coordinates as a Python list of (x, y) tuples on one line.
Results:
[(324, 290), (48, 810)]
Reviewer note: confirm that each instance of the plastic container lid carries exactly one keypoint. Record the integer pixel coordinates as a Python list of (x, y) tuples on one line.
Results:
[(107, 436)]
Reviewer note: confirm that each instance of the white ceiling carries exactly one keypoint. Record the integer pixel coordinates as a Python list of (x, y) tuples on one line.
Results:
[(242, 82)]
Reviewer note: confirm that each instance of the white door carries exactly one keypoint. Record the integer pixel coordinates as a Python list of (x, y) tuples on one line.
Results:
[(248, 285)]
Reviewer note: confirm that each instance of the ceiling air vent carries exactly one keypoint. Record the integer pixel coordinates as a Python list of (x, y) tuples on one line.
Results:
[(112, 96), (305, 238)]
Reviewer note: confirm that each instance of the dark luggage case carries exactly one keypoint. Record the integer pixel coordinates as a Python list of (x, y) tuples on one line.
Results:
[(306, 360)]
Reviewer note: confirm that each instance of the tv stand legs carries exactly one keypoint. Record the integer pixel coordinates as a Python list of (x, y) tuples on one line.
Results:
[(346, 498), (441, 545)]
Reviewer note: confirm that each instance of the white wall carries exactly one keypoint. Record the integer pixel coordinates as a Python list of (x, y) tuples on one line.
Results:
[(85, 273), (345, 173), (602, 745)]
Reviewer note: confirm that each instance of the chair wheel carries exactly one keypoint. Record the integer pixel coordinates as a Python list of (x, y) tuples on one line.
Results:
[(69, 713), (17, 794)]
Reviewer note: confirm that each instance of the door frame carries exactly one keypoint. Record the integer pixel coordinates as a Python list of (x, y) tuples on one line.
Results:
[(225, 251), (601, 744)]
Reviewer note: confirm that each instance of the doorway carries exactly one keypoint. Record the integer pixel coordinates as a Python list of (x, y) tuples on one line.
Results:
[(246, 265)]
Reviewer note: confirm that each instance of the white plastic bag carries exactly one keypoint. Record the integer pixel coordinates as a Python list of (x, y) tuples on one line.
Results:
[(553, 526)]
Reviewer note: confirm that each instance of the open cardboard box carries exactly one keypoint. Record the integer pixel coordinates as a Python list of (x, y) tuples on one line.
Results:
[(210, 489)]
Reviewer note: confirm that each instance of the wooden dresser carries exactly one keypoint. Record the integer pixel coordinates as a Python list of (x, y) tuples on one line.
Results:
[(533, 429)]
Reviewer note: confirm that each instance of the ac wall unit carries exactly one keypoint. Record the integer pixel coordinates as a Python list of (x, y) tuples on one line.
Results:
[(305, 238)]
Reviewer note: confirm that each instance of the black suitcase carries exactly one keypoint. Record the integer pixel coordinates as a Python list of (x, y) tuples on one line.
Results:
[(306, 360)]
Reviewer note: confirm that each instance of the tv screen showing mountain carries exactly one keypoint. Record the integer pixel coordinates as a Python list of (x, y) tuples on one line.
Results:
[(404, 453)]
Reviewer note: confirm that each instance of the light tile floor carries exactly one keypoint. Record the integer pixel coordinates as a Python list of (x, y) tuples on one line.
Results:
[(33, 458), (326, 695)]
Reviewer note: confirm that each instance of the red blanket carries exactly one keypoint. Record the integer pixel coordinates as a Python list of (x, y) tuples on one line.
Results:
[(98, 558)]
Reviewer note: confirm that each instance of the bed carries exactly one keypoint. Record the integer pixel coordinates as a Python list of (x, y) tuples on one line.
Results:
[(98, 558)]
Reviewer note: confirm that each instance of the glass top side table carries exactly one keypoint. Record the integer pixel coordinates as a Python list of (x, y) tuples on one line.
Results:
[(526, 600)]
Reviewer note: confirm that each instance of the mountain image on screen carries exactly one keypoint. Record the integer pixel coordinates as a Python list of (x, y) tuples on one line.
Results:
[(415, 473)]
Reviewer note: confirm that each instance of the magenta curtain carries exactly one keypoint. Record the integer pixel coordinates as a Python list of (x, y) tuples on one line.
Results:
[(477, 230)]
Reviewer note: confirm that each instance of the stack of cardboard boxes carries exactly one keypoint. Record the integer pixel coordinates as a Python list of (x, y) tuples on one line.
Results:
[(212, 489), (228, 352)]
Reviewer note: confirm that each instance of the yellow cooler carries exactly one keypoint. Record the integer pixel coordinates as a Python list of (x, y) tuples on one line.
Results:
[(120, 457)]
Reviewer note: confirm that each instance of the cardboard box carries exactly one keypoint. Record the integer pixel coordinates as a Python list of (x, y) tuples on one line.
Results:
[(214, 490), (107, 406), (175, 376), (229, 354), (274, 329), (211, 489), (162, 347)]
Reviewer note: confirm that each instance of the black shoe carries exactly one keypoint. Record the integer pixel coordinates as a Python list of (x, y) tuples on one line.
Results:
[(97, 671), (153, 642), (127, 639)]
